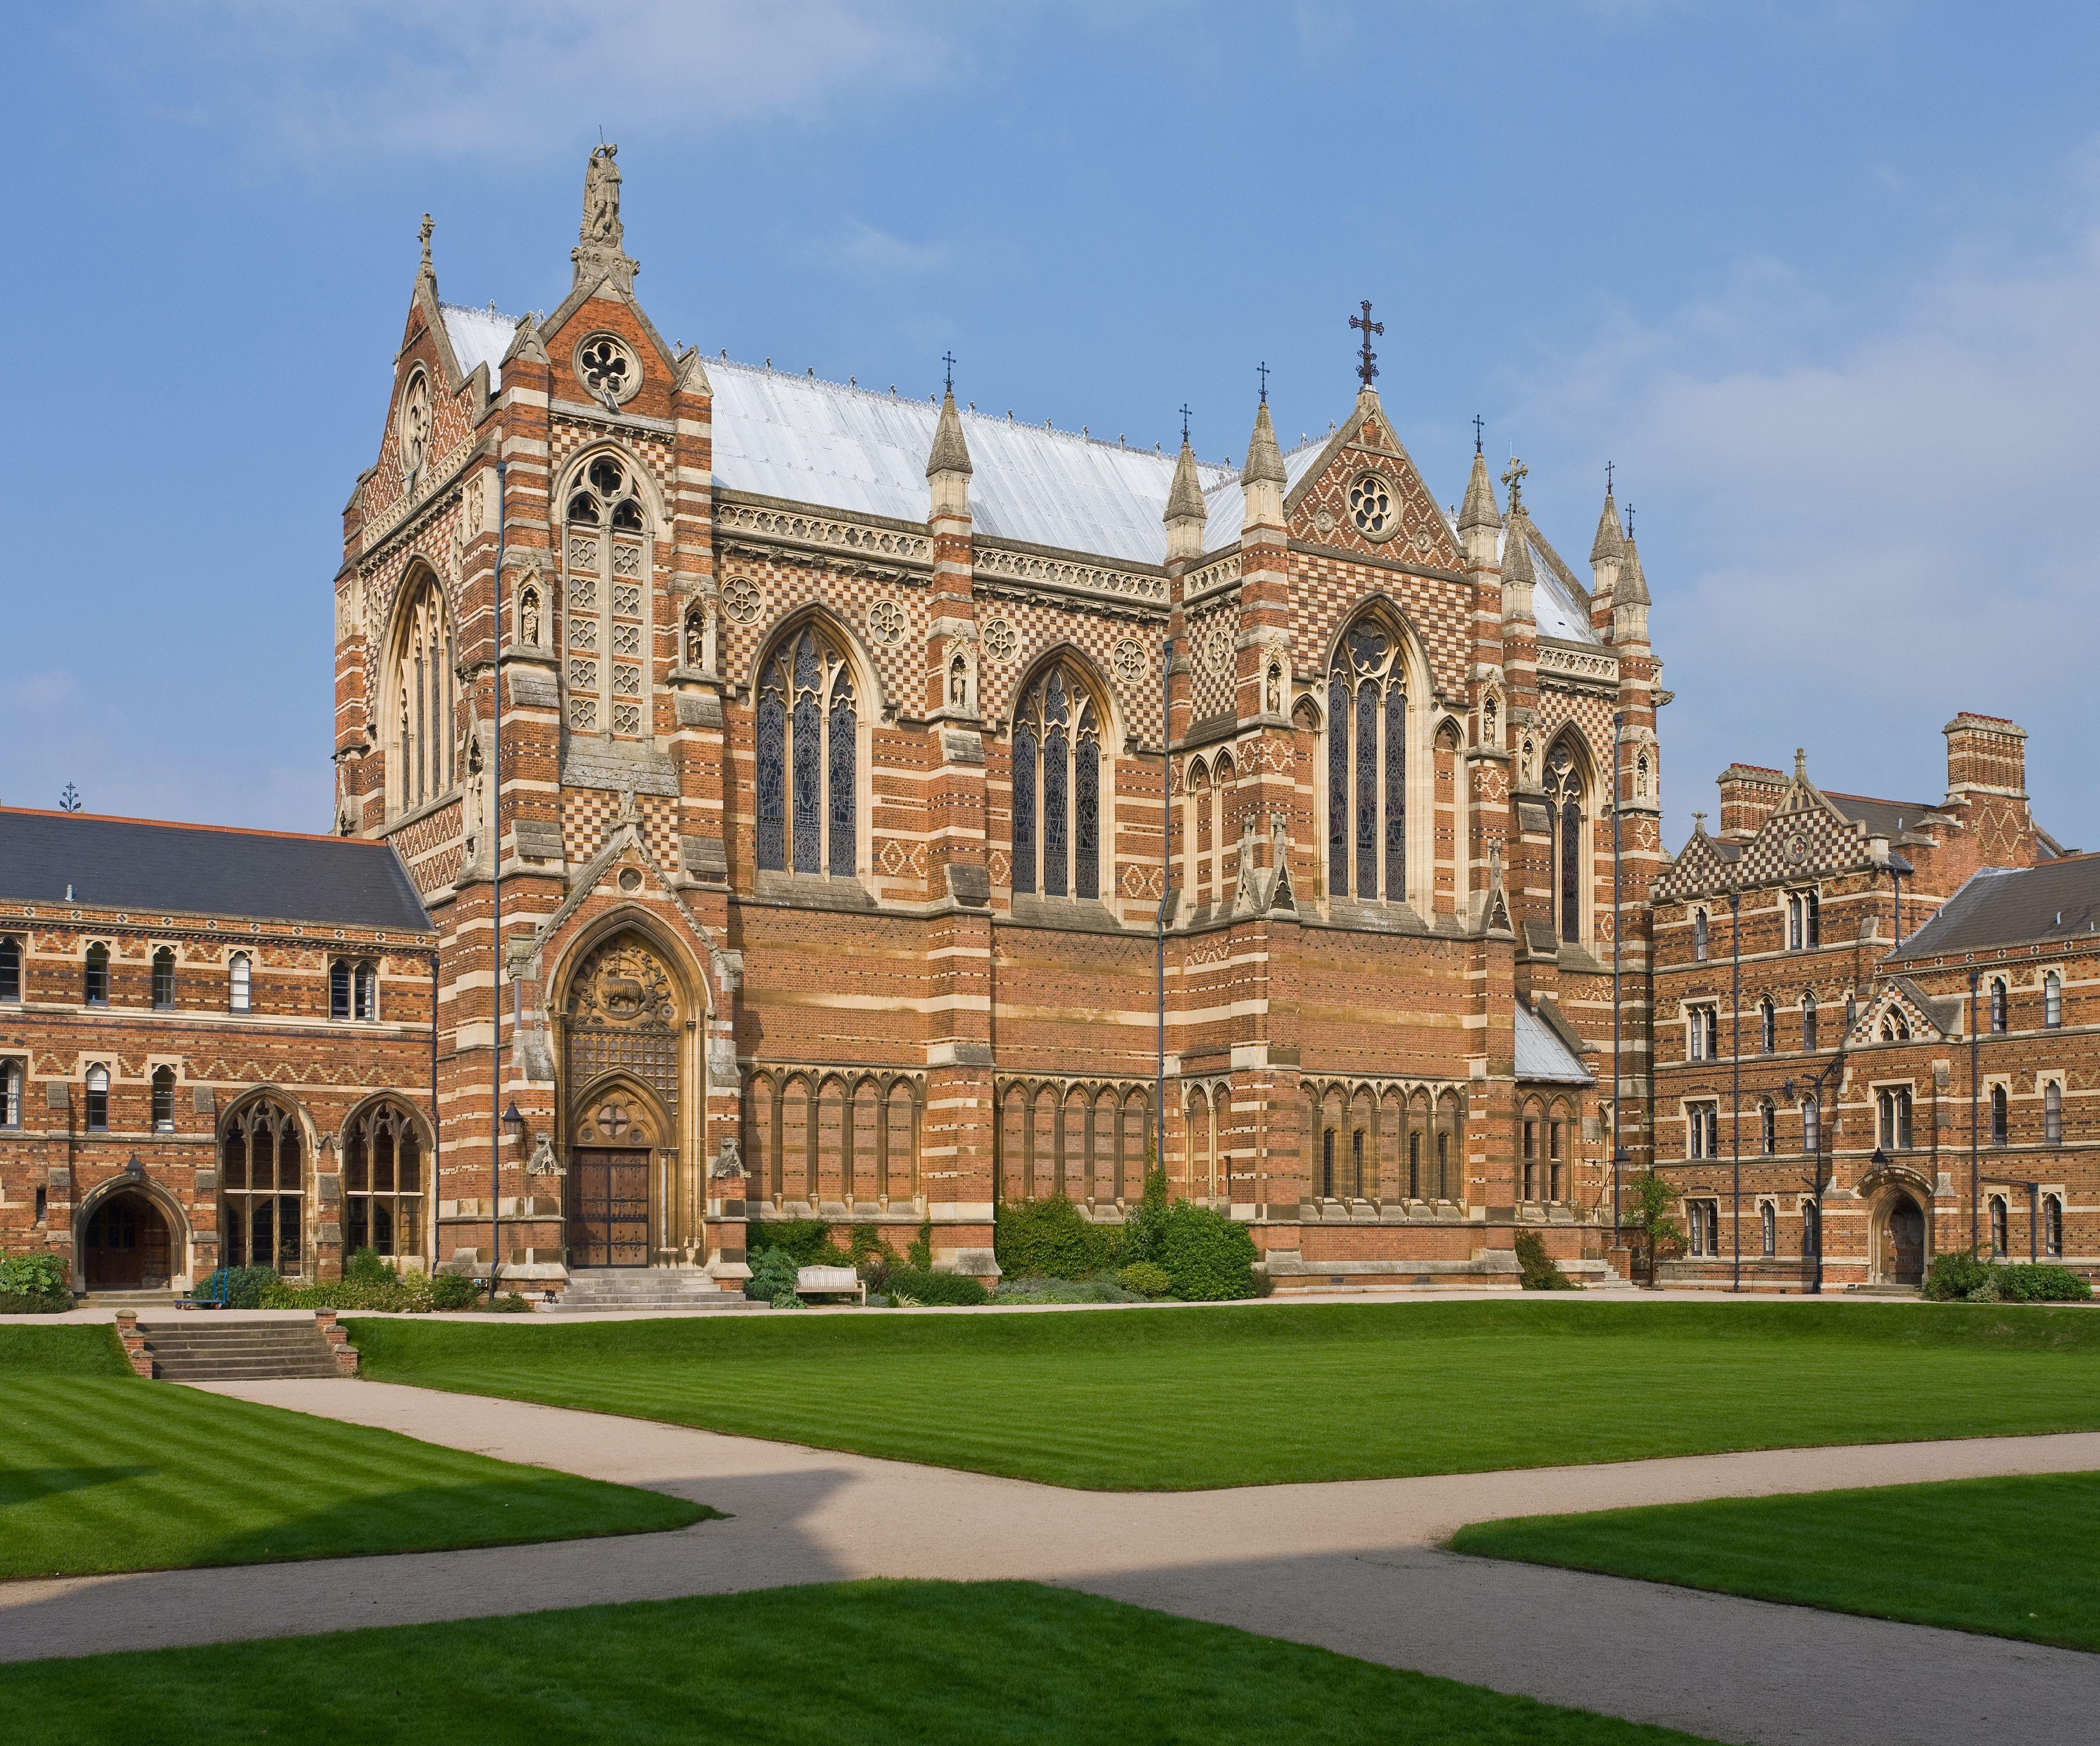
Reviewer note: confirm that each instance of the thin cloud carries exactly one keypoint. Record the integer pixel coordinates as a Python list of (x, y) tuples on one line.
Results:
[(869, 253)]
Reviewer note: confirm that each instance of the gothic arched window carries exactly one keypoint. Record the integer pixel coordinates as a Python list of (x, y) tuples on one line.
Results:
[(1563, 798), (2000, 1116), (808, 758), (606, 624), (11, 968), (164, 1100), (1808, 1021), (261, 1181), (421, 693), (1699, 936), (1057, 788), (1367, 732), (164, 977), (2052, 1000), (10, 1094), (1767, 1027), (1768, 1227), (97, 1097), (1998, 1003), (240, 986), (95, 986), (2052, 1113), (382, 1183)]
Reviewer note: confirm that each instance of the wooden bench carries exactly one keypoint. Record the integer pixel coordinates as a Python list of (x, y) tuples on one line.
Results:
[(830, 1282)]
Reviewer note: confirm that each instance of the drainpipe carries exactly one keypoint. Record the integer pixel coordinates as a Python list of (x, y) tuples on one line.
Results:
[(1166, 894), (1976, 1169), (495, 898), (1618, 951), (1736, 1068)]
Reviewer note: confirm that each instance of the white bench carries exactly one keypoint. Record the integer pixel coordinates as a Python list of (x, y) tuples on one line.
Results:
[(830, 1282)]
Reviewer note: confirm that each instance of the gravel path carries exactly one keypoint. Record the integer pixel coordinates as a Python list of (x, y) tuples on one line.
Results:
[(1350, 1566)]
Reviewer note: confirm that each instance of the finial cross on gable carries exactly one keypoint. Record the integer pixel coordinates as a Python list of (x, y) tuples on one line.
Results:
[(948, 358), (1185, 424), (1629, 521), (1367, 366), (1608, 479), (1262, 369), (1477, 422), (423, 232), (1513, 475)]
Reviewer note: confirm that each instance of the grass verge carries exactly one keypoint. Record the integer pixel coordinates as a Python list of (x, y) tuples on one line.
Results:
[(101, 1470), (1267, 1394), (2007, 1557), (836, 1665)]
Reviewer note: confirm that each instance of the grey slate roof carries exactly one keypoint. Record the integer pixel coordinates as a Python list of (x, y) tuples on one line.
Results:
[(2057, 900), (1542, 1055), (203, 870), (1889, 819)]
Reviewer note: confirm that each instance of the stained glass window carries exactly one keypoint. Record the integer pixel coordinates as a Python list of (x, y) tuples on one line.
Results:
[(772, 782), (1057, 789), (1024, 809), (1338, 786), (1085, 820), (1563, 795), (808, 759), (1367, 730)]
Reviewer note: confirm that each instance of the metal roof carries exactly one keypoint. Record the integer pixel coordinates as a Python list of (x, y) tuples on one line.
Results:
[(2057, 900), (479, 336), (1226, 500), (204, 869), (1555, 608), (806, 440), (1542, 1055)]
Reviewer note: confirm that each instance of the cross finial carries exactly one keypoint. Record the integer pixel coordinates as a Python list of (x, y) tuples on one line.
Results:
[(1185, 424), (1514, 476), (948, 358), (1476, 433), (1367, 366), (1629, 521), (1262, 369), (423, 235), (1608, 479)]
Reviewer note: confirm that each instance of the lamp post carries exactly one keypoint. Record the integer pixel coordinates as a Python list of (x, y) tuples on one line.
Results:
[(1168, 892), (1815, 1162), (1736, 1068), (1975, 1166)]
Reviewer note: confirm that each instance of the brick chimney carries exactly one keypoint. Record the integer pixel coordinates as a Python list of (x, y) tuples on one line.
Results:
[(1986, 754), (1749, 795)]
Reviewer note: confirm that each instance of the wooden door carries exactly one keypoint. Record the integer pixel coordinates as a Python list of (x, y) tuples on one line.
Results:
[(608, 1207), (115, 1256), (1906, 1242)]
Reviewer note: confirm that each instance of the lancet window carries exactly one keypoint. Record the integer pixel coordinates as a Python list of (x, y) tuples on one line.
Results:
[(1367, 734), (606, 606), (1564, 797), (382, 1183), (425, 690), (261, 1181), (808, 758), (1058, 788)]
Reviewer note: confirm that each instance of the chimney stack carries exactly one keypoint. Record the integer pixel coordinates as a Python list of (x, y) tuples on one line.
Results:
[(1985, 754)]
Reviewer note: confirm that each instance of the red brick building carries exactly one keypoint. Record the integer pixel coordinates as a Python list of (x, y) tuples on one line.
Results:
[(214, 1045), (1876, 1020)]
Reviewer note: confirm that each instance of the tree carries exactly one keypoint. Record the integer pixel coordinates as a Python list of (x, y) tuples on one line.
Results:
[(1650, 1220)]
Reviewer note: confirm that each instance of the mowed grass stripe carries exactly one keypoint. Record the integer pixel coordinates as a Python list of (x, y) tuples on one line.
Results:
[(1273, 1394), (862, 1664), (2015, 1557), (106, 1473)]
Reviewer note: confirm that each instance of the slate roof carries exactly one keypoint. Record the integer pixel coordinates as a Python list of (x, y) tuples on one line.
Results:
[(2057, 900), (1889, 819), (204, 869), (1541, 1055)]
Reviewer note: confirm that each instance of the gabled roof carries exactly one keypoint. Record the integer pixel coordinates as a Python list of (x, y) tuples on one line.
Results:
[(478, 335), (2056, 900), (204, 869), (1540, 1054), (1889, 819), (805, 440)]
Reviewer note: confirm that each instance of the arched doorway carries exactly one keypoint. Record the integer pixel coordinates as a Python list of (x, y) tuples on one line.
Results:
[(1903, 1242), (127, 1245), (609, 1179)]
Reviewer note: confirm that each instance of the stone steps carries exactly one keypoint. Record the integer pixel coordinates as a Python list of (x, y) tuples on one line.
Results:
[(239, 1351), (644, 1288)]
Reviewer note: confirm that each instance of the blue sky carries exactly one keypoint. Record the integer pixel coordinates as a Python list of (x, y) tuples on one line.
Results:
[(1821, 280)]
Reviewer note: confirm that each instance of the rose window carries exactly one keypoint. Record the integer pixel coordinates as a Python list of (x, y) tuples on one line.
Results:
[(1371, 507), (885, 621), (1129, 662), (605, 367), (740, 599), (414, 429), (1000, 640)]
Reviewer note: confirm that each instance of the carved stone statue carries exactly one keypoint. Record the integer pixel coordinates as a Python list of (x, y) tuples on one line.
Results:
[(957, 683), (729, 1163), (1275, 701), (601, 198), (528, 617), (696, 634)]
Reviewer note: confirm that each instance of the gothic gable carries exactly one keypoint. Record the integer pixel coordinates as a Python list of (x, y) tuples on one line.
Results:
[(1900, 1012), (1366, 496)]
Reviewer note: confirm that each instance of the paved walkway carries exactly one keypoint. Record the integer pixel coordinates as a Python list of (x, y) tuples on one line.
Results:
[(1350, 1566)]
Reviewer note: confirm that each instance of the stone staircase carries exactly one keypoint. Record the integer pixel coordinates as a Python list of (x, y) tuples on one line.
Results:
[(646, 1288), (130, 1300), (237, 1351)]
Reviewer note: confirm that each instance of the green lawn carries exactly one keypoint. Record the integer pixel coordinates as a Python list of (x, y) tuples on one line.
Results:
[(2013, 1558), (875, 1662), (101, 1471), (1174, 1400)]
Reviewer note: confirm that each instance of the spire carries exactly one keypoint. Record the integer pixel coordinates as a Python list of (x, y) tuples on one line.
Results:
[(1264, 459), (1516, 549), (1479, 510), (1632, 590), (1186, 512), (951, 453), (1610, 545)]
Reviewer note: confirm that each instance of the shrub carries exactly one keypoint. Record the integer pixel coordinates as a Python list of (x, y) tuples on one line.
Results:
[(772, 1275), (367, 1266), (1208, 1256), (453, 1291), (808, 1240), (28, 1303), (243, 1286), (1063, 1291), (1140, 1238), (1961, 1274), (872, 1257), (935, 1288), (2043, 1284), (1541, 1272), (510, 1303), (1148, 1279), (1050, 1239), (920, 1254), (38, 1274), (401, 1293)]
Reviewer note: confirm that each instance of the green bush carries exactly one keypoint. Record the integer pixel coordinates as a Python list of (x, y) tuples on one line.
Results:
[(1208, 1256), (1140, 1238), (1541, 1272), (936, 1288), (2043, 1284), (1148, 1279), (773, 1273), (920, 1252), (243, 1286), (367, 1266), (401, 1293), (1052, 1239), (453, 1291), (38, 1274), (508, 1304), (1097, 1290), (28, 1303), (1957, 1275), (808, 1240)]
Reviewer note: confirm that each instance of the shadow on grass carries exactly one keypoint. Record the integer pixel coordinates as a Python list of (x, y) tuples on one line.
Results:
[(21, 1485)]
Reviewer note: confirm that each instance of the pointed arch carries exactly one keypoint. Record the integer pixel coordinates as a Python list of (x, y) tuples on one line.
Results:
[(1376, 766), (1063, 798), (385, 1150), (812, 698), (1569, 779), (611, 514), (265, 1141), (419, 694)]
